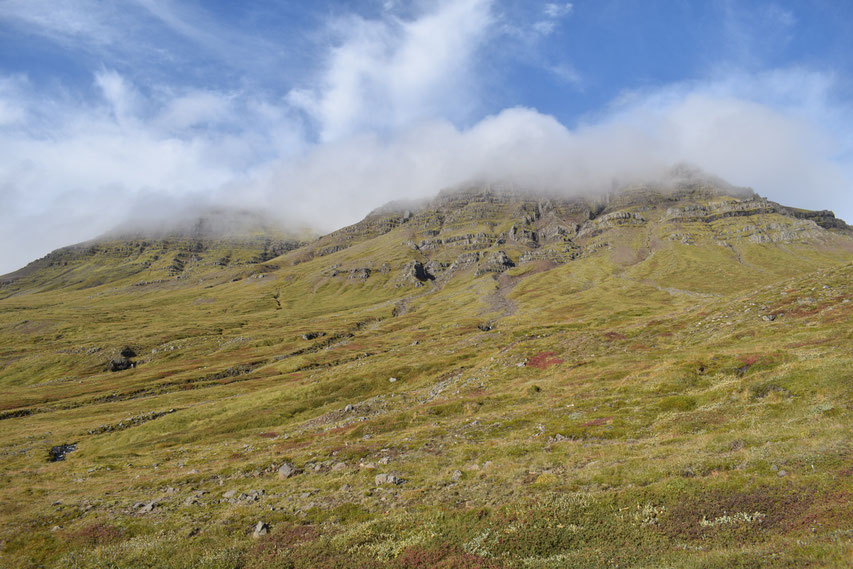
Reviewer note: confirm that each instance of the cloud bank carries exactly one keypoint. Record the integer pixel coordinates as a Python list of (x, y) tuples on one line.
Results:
[(395, 110)]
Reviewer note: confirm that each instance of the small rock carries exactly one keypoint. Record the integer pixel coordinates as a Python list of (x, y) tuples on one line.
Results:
[(229, 494), (392, 379), (782, 473), (456, 476), (260, 529), (349, 408), (147, 508), (57, 453), (385, 460), (769, 317), (339, 466)]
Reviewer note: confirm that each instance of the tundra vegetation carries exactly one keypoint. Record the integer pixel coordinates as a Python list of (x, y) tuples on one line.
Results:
[(662, 378)]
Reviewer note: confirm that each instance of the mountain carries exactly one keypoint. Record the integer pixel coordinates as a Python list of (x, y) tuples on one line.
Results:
[(191, 242), (494, 377)]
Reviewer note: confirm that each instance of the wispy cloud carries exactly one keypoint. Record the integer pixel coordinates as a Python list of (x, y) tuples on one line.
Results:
[(552, 14), (85, 21)]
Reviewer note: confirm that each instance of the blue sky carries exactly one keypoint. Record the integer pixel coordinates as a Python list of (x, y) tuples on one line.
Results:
[(323, 110)]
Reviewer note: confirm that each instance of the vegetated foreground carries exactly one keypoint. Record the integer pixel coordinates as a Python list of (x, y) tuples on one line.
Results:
[(488, 380)]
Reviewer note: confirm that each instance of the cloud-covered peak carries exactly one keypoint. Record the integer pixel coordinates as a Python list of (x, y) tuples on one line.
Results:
[(320, 113)]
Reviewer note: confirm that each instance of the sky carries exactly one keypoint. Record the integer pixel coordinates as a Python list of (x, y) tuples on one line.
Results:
[(318, 112)]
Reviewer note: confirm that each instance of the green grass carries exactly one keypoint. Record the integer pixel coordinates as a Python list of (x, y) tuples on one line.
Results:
[(665, 423)]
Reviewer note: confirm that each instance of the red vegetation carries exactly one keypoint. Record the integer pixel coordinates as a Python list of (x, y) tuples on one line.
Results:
[(544, 360), (750, 359), (268, 435), (613, 336), (281, 542), (95, 534)]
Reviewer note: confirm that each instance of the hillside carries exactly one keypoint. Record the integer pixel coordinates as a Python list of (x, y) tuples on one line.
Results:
[(492, 378)]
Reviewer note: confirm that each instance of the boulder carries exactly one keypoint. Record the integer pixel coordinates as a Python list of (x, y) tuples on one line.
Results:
[(287, 470), (380, 479), (260, 529), (120, 364)]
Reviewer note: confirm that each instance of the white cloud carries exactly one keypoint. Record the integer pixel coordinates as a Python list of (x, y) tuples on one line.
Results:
[(387, 73)]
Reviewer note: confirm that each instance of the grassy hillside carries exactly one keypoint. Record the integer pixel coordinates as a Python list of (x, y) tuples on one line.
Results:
[(659, 379)]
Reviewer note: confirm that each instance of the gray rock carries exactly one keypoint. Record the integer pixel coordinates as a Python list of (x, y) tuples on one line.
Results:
[(456, 476), (287, 470), (260, 529), (349, 408), (380, 479), (229, 494), (146, 508), (392, 379)]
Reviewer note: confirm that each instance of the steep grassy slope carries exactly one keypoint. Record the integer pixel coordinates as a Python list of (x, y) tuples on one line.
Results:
[(657, 379)]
